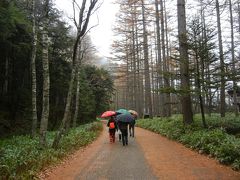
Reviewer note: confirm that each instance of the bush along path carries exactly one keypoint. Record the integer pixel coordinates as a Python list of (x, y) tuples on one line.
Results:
[(22, 158), (147, 156)]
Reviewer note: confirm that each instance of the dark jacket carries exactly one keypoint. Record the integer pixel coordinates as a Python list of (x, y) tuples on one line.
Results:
[(122, 125), (132, 123)]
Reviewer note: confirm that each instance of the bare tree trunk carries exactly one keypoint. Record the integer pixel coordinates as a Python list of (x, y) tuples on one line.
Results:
[(139, 79), (170, 79), (222, 65), (77, 98), (184, 64), (81, 30), (79, 57), (167, 110), (127, 75), (159, 66), (166, 30), (233, 62), (238, 17), (46, 80), (139, 83), (146, 66), (134, 61), (33, 68)]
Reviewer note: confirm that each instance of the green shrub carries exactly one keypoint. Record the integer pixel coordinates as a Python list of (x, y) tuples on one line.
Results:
[(21, 157)]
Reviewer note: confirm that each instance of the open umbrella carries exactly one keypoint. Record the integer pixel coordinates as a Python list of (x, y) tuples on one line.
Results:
[(108, 114), (133, 112), (122, 111), (125, 118)]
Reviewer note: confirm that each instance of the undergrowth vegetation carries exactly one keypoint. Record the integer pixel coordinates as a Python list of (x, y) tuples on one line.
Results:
[(214, 140), (21, 157)]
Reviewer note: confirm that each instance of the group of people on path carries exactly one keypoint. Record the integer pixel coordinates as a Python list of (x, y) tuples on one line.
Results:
[(122, 128)]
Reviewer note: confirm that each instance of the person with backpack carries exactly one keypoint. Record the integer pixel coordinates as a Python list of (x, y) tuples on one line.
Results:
[(112, 125)]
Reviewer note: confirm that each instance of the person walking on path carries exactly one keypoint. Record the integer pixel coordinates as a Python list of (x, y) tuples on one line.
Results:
[(112, 128), (132, 126), (123, 126)]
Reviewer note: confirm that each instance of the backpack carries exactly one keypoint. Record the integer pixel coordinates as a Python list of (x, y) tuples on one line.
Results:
[(111, 125)]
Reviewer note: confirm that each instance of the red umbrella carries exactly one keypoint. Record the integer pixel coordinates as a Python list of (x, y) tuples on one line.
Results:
[(108, 114)]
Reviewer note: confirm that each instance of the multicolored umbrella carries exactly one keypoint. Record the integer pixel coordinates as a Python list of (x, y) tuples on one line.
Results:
[(122, 111), (133, 112), (108, 114), (125, 118)]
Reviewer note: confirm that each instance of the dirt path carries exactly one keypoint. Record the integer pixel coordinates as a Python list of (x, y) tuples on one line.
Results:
[(171, 160), (148, 156)]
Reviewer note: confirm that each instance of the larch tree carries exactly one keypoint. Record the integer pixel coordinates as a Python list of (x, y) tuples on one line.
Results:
[(197, 45), (167, 107), (159, 59), (148, 96), (184, 64), (238, 10), (233, 61), (222, 64)]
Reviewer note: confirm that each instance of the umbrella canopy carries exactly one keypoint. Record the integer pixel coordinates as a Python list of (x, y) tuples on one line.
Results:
[(133, 112), (125, 118), (108, 114), (122, 111)]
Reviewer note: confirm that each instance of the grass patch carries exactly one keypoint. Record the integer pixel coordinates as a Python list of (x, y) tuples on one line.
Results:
[(22, 158), (213, 141)]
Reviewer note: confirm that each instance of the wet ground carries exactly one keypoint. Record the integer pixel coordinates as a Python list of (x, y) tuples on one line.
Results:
[(148, 156)]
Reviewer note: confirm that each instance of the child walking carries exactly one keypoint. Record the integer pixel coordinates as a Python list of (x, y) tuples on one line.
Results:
[(112, 128)]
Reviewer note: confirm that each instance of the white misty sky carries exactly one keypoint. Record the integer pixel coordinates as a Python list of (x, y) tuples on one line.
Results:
[(102, 34)]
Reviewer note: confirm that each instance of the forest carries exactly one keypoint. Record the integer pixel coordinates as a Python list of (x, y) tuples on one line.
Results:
[(179, 57), (36, 70), (175, 62), (161, 64)]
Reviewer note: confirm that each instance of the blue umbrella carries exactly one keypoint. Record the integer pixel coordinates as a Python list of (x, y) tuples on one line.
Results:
[(122, 111), (125, 118)]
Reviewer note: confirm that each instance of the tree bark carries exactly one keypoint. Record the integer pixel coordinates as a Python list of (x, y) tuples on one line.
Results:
[(167, 108), (222, 65), (148, 98), (184, 64), (79, 57), (233, 62), (46, 83), (238, 17), (46, 79), (158, 65), (33, 68)]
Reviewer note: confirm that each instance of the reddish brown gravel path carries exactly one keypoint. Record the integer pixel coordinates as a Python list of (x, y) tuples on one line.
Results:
[(148, 156)]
